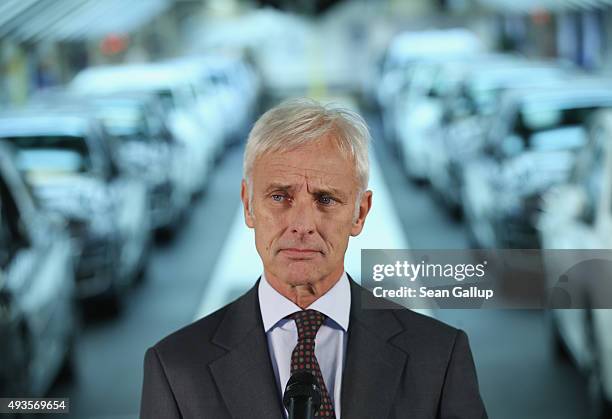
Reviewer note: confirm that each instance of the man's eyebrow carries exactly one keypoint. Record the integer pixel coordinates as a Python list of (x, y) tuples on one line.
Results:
[(315, 191), (328, 191), (278, 187)]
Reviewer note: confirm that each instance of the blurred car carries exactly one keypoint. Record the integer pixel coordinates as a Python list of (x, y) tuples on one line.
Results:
[(195, 126), (531, 145), (210, 103), (418, 110), (231, 84), (467, 113), (142, 146), (578, 215), (146, 151), (403, 52), (67, 160), (38, 321), (409, 47)]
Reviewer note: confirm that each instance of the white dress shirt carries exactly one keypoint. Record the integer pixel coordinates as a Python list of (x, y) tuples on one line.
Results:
[(330, 342)]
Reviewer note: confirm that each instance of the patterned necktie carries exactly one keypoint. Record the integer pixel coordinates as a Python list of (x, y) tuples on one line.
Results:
[(303, 357)]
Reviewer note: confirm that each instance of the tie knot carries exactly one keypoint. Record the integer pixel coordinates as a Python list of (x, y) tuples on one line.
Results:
[(308, 323)]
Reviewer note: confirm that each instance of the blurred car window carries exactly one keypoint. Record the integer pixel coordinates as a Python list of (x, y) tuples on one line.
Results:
[(558, 138), (551, 127), (124, 122), (51, 154)]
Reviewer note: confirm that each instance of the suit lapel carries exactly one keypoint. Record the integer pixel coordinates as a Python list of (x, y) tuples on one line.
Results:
[(373, 365), (244, 375)]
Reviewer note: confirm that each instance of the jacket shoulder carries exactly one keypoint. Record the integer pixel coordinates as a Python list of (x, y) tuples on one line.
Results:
[(429, 338), (199, 330), (199, 334), (424, 324), (194, 338), (419, 326)]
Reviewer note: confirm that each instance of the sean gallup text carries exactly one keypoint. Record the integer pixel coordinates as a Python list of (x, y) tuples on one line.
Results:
[(426, 292)]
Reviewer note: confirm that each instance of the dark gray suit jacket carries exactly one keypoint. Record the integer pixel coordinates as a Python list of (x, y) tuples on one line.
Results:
[(399, 364)]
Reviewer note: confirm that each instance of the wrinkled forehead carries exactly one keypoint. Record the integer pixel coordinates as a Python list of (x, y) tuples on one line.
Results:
[(297, 175), (319, 164)]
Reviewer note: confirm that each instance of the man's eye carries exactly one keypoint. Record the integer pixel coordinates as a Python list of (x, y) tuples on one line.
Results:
[(326, 200), (278, 198)]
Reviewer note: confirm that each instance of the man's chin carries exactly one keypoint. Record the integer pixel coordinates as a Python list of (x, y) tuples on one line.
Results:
[(300, 273)]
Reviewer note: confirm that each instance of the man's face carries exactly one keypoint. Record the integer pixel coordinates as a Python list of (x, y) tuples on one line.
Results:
[(303, 211)]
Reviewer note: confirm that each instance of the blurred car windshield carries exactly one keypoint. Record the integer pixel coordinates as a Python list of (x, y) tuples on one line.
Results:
[(548, 127), (52, 153), (125, 122)]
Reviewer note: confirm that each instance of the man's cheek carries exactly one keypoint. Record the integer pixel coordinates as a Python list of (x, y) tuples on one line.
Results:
[(272, 220), (340, 229)]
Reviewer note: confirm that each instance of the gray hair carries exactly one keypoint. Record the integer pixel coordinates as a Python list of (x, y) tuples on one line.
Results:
[(297, 122)]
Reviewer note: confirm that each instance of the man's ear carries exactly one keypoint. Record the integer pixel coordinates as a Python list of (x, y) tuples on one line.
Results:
[(244, 196), (364, 208)]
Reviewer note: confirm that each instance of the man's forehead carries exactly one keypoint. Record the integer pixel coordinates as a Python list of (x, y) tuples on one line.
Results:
[(305, 170), (295, 174), (311, 180), (320, 163), (316, 159)]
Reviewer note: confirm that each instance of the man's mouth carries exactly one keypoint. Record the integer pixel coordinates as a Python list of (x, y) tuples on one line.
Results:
[(300, 253)]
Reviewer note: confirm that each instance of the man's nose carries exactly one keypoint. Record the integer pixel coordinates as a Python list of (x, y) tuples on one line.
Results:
[(303, 217)]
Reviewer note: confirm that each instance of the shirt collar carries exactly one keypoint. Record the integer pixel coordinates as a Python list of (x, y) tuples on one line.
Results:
[(335, 303)]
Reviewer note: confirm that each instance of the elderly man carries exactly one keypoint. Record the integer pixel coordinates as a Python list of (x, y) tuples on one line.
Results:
[(305, 193)]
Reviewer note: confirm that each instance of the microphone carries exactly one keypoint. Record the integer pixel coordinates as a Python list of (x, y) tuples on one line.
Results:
[(302, 396)]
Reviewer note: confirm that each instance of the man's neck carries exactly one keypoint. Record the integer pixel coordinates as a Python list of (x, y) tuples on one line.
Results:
[(304, 295)]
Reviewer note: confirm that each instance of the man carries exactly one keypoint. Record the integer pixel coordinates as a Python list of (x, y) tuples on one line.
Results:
[(305, 193)]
